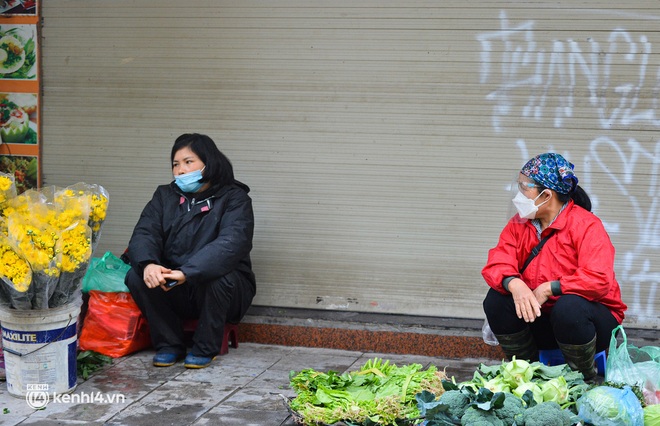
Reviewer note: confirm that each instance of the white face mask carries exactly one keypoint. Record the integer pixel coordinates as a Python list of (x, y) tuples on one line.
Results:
[(526, 206)]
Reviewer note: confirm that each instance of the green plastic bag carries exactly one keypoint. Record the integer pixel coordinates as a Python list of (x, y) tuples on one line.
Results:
[(634, 366), (106, 274)]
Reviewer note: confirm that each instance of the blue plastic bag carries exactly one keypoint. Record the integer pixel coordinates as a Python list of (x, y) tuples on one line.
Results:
[(608, 406)]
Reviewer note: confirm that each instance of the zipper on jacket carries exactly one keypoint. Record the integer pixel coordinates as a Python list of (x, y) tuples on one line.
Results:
[(193, 203)]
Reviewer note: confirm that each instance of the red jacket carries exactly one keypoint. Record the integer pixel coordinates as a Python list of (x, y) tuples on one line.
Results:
[(579, 254)]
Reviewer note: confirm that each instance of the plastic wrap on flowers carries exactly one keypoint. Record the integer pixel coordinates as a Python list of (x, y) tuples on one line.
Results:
[(76, 252), (43, 287), (7, 188), (16, 277), (98, 200), (52, 229), (36, 240), (68, 288)]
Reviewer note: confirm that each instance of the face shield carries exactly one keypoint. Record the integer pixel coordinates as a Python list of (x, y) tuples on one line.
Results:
[(517, 185)]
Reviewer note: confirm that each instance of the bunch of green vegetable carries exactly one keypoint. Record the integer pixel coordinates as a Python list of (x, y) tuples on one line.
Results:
[(484, 408), (89, 361), (379, 393), (517, 393), (557, 383)]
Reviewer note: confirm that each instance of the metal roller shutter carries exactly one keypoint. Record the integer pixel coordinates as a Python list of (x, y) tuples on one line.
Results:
[(379, 137)]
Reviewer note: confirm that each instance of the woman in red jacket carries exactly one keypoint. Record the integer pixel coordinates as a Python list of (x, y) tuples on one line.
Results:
[(567, 296)]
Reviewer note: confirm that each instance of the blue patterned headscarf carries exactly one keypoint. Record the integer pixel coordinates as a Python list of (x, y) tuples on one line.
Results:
[(552, 171)]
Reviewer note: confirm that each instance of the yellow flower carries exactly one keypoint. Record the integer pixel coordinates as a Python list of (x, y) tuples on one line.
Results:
[(92, 201), (7, 188), (49, 231), (5, 183), (76, 247), (99, 207), (35, 243), (14, 268), (21, 205)]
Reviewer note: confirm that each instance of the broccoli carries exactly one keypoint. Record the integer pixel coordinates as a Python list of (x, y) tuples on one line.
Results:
[(457, 401), (477, 417), (512, 410), (547, 414)]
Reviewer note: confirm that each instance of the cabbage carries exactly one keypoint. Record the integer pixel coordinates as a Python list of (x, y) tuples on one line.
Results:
[(652, 415), (529, 386), (608, 406), (555, 390), (497, 384), (517, 371)]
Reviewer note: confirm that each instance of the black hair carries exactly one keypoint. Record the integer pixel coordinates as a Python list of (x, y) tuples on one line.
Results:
[(218, 169), (578, 195)]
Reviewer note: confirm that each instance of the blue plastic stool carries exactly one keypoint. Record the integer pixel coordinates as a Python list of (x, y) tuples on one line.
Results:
[(555, 357)]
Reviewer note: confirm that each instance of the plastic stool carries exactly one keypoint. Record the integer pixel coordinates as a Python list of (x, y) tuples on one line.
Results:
[(555, 357), (230, 334)]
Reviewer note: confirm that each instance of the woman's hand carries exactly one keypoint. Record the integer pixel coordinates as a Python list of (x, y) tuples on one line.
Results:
[(155, 275), (543, 292), (527, 305), (173, 275)]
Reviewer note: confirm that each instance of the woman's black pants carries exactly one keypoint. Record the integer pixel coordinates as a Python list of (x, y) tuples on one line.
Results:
[(213, 304), (573, 320)]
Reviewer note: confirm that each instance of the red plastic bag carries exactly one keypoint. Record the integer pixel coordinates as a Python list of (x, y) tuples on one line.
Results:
[(114, 325)]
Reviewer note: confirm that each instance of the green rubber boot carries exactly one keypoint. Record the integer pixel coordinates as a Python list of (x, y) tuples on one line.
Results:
[(520, 344), (581, 358)]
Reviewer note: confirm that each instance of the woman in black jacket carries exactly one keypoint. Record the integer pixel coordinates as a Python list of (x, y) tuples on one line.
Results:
[(190, 254)]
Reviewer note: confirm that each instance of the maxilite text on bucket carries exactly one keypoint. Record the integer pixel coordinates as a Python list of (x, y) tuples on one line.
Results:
[(17, 336)]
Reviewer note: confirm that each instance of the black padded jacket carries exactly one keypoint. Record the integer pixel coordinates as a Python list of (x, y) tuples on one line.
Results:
[(206, 237)]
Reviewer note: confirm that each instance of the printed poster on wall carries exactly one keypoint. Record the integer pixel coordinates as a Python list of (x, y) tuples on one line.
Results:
[(15, 7), (20, 144), (18, 52)]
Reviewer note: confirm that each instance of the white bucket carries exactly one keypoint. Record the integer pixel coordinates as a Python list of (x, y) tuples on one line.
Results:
[(40, 348)]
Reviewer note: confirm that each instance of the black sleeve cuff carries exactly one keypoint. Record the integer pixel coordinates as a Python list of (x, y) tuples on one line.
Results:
[(555, 286)]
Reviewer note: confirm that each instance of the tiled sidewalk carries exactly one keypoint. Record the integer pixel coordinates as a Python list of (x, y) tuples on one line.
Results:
[(245, 387)]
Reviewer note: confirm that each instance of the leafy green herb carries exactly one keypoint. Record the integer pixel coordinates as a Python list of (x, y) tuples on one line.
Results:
[(379, 393), (637, 390), (90, 361), (30, 137)]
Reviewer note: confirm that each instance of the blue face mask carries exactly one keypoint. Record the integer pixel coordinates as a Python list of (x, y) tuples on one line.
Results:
[(189, 182)]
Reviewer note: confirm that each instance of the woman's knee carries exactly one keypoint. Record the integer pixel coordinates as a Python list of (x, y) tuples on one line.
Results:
[(571, 320), (495, 303), (500, 311), (570, 308)]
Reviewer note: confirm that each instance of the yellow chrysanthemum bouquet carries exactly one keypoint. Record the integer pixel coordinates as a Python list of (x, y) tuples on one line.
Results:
[(16, 276), (54, 231), (7, 188)]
